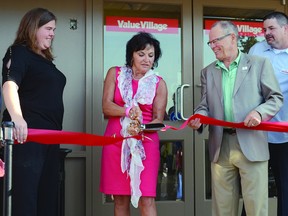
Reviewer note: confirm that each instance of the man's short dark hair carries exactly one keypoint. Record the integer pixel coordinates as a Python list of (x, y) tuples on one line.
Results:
[(281, 18)]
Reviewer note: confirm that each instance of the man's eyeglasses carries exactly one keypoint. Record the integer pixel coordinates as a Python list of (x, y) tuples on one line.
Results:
[(209, 43)]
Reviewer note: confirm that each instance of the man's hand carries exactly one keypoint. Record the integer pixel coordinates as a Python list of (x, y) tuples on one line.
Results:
[(195, 123), (252, 119)]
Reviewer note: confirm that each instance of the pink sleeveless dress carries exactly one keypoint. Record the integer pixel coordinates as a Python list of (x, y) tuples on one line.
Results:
[(112, 180)]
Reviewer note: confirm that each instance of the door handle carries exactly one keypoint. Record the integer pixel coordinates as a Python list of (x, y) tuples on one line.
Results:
[(182, 101)]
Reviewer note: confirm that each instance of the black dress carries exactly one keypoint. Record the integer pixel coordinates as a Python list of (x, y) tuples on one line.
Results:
[(35, 170)]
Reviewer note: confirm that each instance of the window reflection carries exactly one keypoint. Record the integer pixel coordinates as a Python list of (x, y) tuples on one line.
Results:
[(170, 177)]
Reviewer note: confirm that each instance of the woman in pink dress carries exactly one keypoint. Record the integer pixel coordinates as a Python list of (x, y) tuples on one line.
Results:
[(133, 94)]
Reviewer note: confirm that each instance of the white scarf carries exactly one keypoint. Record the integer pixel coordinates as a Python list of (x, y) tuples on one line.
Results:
[(133, 152)]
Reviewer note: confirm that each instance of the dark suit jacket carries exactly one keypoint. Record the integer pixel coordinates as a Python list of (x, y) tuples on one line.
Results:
[(256, 88)]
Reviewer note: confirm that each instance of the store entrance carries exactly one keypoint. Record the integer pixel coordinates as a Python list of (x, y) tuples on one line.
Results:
[(183, 186)]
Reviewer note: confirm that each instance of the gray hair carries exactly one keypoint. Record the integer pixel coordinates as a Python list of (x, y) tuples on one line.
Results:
[(227, 26)]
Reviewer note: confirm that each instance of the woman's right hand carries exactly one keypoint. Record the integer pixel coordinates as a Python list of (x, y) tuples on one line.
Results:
[(20, 129), (12, 103)]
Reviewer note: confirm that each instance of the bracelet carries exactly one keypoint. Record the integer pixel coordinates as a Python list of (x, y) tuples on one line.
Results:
[(127, 112)]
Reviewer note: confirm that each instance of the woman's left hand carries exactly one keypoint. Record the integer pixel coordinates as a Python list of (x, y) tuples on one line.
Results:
[(134, 128)]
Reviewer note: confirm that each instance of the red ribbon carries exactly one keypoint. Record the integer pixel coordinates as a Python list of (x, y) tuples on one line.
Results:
[(66, 137), (265, 126)]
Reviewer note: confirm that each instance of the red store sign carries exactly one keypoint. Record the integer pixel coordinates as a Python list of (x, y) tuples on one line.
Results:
[(136, 24), (245, 28)]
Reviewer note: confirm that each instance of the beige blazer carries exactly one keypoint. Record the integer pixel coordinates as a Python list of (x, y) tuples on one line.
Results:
[(256, 88)]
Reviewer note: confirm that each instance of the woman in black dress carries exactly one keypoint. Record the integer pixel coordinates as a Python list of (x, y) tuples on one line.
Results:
[(33, 95)]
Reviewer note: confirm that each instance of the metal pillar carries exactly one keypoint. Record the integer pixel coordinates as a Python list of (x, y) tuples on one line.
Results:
[(7, 141)]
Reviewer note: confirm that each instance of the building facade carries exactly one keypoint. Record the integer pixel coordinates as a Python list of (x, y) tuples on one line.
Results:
[(90, 37)]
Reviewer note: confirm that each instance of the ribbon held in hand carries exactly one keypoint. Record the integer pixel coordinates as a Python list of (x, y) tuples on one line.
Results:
[(65, 137), (265, 126)]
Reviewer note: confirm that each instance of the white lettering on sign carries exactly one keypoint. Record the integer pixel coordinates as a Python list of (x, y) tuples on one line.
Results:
[(123, 24), (152, 25), (142, 24), (249, 29)]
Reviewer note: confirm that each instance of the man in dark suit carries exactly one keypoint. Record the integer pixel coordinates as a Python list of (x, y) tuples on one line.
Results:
[(237, 88)]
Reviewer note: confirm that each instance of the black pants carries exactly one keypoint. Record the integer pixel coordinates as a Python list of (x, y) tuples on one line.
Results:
[(35, 180), (279, 165)]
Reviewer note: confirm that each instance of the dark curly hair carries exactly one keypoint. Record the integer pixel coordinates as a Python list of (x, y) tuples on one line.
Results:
[(139, 42)]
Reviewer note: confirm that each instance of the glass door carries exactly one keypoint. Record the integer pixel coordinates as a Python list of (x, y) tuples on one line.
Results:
[(175, 179)]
